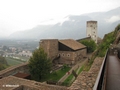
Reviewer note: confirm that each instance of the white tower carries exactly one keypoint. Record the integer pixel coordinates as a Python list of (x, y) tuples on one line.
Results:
[(92, 30)]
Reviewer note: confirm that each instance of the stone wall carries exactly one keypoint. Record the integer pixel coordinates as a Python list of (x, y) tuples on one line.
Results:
[(69, 57), (25, 87), (86, 80), (66, 57), (23, 68), (80, 54), (86, 38), (23, 84), (50, 46)]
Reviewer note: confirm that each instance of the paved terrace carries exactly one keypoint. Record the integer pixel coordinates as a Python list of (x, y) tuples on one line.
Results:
[(113, 73)]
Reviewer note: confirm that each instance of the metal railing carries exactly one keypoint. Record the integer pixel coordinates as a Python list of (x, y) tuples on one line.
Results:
[(100, 78)]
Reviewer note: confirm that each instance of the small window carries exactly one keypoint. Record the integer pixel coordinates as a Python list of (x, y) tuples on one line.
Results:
[(68, 55)]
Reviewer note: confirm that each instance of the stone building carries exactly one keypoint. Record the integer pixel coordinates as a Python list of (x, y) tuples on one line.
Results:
[(92, 30), (50, 46), (66, 51)]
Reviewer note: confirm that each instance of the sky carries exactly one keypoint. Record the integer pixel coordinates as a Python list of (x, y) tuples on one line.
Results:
[(17, 15)]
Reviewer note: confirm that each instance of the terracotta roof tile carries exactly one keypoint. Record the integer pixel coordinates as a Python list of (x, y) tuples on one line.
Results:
[(72, 44), (15, 82)]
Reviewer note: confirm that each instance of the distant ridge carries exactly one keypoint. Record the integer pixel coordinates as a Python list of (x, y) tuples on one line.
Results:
[(74, 28)]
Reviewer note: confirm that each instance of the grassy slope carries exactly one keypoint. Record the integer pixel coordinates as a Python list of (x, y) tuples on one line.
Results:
[(55, 76), (12, 62)]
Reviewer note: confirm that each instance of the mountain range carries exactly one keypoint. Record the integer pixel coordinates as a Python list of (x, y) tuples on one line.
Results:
[(74, 27)]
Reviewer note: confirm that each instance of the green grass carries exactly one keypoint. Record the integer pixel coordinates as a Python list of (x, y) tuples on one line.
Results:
[(88, 65), (68, 81), (81, 69), (57, 75), (12, 62)]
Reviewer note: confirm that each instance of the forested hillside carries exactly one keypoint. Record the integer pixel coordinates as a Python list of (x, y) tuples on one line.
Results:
[(73, 27), (107, 41)]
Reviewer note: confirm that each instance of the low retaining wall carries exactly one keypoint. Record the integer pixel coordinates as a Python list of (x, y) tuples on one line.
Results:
[(86, 80), (23, 68)]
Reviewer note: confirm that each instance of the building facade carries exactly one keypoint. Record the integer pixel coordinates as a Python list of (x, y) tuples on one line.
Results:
[(66, 51), (91, 30)]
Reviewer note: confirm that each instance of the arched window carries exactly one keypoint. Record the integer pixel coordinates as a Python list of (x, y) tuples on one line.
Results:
[(59, 54), (68, 55)]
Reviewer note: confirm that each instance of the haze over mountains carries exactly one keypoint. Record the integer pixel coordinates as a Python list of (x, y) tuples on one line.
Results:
[(74, 27)]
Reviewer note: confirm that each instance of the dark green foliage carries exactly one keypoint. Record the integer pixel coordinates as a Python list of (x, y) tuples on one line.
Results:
[(64, 66), (118, 27), (3, 63), (108, 39), (116, 30), (39, 65), (91, 46)]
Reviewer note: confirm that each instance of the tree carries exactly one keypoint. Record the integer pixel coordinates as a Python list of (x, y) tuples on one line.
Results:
[(91, 46), (39, 65)]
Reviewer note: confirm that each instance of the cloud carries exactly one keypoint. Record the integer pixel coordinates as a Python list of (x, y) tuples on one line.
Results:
[(54, 21), (113, 19), (25, 14)]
